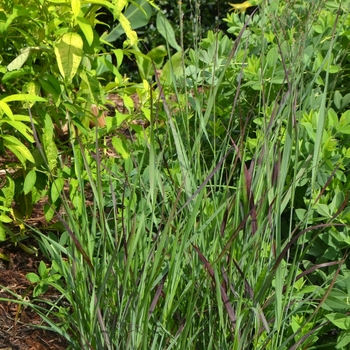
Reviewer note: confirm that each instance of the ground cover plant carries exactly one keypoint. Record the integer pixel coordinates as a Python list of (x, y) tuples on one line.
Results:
[(221, 220)]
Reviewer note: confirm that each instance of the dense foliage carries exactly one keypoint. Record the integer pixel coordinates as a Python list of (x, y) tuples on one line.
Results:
[(224, 224)]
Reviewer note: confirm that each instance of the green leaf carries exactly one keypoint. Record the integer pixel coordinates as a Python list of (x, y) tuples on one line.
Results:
[(18, 62), (172, 67), (49, 145), (340, 320), (166, 30), (119, 56), (4, 218), (29, 181), (343, 340), (56, 189), (23, 97), (25, 130), (138, 16), (49, 212), (337, 99), (18, 149), (42, 269), (345, 101), (40, 289), (2, 233), (344, 130), (6, 109), (69, 52), (106, 4), (76, 5), (33, 277), (119, 147), (272, 56), (8, 191), (86, 28)]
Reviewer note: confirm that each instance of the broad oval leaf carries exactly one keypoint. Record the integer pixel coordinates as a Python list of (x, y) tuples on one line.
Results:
[(29, 181), (69, 52), (119, 147), (56, 189)]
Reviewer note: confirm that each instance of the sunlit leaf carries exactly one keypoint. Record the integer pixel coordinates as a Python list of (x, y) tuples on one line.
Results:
[(69, 52)]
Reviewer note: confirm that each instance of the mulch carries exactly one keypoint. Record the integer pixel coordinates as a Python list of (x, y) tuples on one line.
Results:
[(18, 324)]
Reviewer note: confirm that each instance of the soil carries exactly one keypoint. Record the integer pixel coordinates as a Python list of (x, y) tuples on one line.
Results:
[(18, 324)]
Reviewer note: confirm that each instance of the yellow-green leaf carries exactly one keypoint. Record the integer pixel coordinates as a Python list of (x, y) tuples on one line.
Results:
[(86, 28), (76, 4), (119, 7), (4, 108), (29, 181), (2, 233), (23, 97), (69, 52), (131, 34), (119, 147), (18, 62), (18, 149)]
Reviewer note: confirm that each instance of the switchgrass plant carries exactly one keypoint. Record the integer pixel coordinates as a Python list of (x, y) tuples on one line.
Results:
[(193, 241)]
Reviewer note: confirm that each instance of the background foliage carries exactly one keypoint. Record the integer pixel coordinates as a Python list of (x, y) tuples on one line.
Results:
[(224, 224)]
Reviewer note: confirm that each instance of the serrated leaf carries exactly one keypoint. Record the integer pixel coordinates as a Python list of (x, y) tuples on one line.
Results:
[(69, 52), (131, 34), (138, 16), (29, 181), (49, 145), (119, 7)]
